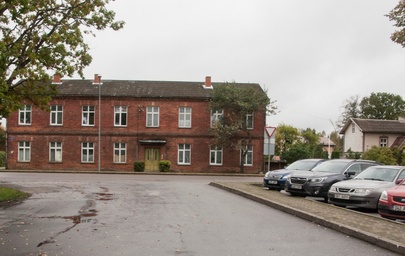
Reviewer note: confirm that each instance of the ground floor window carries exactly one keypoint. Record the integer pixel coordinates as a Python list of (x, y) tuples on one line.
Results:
[(24, 151), (55, 152), (184, 154), (120, 152), (249, 156), (216, 155), (87, 152)]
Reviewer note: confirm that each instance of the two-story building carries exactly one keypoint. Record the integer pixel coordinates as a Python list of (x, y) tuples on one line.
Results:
[(110, 124)]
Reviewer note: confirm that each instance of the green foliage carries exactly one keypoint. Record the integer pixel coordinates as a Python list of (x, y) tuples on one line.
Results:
[(386, 106), (9, 194), (295, 152), (335, 155), (43, 36), (397, 15), (286, 136), (351, 109), (2, 159), (164, 165), (380, 154), (139, 166), (353, 155)]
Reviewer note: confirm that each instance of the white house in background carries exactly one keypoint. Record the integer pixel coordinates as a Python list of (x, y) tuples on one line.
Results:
[(359, 135)]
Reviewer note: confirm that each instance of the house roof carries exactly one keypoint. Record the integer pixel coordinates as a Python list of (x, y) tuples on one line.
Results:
[(325, 141), (376, 126), (140, 89)]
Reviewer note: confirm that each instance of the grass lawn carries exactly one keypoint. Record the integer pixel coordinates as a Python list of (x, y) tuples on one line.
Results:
[(10, 194)]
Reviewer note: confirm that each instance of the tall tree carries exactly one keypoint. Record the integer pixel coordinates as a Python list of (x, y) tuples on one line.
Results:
[(286, 136), (351, 109), (238, 103), (42, 37), (397, 15), (382, 105)]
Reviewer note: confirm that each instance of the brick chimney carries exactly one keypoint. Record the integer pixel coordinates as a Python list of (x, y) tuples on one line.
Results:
[(56, 79), (207, 84), (97, 79)]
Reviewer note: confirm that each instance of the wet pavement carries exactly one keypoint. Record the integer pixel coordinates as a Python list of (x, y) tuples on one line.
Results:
[(376, 230)]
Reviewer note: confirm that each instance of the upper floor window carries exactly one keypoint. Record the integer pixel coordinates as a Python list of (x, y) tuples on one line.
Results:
[(120, 152), (249, 121), (383, 141), (88, 115), (87, 152), (249, 156), (24, 115), (353, 128), (184, 117), (24, 151), (55, 152), (120, 113), (216, 155), (152, 116), (216, 117), (184, 154), (56, 114)]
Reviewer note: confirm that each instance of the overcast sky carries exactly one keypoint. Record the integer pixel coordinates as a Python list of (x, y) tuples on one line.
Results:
[(310, 55)]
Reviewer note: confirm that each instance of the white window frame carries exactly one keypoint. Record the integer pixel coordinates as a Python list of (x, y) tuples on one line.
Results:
[(88, 148), (55, 152), (216, 117), (87, 113), (184, 117), (24, 115), (120, 116), (249, 121), (152, 116), (216, 155), (184, 154), (383, 141), (24, 151), (249, 156), (120, 153), (56, 115)]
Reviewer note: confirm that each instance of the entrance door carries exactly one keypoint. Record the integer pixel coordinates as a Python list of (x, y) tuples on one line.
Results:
[(152, 158)]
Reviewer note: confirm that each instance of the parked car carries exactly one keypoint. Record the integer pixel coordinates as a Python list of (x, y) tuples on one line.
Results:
[(318, 182), (276, 179), (392, 202), (365, 189)]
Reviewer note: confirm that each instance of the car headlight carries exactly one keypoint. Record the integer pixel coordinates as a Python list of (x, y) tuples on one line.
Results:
[(267, 174), (332, 189), (363, 190), (318, 180), (384, 196), (286, 177)]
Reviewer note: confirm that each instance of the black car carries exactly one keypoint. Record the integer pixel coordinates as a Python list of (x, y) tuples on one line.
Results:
[(318, 182)]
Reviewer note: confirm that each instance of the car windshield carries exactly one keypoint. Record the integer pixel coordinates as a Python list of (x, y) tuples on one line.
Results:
[(302, 165), (331, 166), (380, 174)]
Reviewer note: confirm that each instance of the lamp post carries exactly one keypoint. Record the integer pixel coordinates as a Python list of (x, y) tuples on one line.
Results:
[(97, 80)]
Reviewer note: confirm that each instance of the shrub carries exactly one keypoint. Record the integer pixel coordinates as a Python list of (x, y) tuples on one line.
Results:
[(335, 155), (164, 166), (139, 166), (380, 154), (2, 159)]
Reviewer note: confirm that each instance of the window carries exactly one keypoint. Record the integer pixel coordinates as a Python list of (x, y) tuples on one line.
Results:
[(87, 152), (184, 154), (249, 156), (56, 115), (24, 151), (120, 152), (184, 117), (88, 115), (383, 141), (55, 152), (216, 117), (25, 115), (120, 113), (215, 155), (249, 121), (152, 116), (353, 128)]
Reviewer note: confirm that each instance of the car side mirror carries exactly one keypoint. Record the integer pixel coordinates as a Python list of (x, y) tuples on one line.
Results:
[(399, 181), (350, 173)]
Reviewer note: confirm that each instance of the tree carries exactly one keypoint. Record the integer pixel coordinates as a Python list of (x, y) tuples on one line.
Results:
[(238, 102), (42, 37), (351, 109), (286, 136), (382, 105), (397, 15)]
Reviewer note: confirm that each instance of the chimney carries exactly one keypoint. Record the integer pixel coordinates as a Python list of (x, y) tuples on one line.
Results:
[(207, 84), (56, 79), (97, 79)]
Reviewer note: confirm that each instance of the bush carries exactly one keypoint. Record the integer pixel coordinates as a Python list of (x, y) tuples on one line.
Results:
[(380, 154), (2, 159), (139, 166), (164, 166), (335, 155)]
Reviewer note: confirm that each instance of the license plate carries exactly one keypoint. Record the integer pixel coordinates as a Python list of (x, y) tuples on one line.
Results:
[(398, 208), (347, 197), (272, 182), (295, 186)]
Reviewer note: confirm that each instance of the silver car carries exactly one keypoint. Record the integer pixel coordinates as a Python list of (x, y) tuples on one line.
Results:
[(365, 189)]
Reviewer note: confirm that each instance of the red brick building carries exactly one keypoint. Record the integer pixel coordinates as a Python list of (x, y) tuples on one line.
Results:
[(126, 121)]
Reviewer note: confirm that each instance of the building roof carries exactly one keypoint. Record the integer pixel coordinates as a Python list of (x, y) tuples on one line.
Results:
[(376, 126), (325, 141), (140, 89)]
